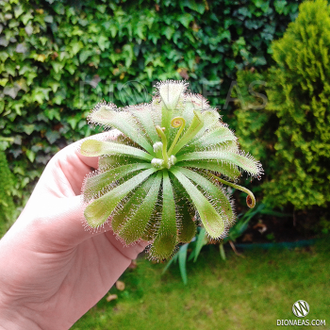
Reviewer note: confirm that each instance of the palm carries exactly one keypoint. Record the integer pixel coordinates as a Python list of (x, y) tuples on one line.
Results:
[(53, 268)]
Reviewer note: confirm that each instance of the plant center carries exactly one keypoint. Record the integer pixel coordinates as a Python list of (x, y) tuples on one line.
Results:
[(164, 157)]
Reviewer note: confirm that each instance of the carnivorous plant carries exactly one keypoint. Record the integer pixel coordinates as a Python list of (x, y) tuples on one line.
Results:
[(166, 172)]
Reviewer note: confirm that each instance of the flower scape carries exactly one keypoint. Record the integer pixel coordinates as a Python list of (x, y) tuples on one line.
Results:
[(166, 172)]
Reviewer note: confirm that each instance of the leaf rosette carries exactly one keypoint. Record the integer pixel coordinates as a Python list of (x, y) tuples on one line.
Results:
[(165, 173)]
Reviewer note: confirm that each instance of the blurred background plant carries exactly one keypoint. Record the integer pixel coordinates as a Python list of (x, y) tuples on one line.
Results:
[(7, 206)]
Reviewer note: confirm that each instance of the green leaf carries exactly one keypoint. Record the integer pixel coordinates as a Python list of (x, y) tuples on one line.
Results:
[(247, 163), (168, 32), (30, 155), (75, 47), (212, 221), (201, 241), (219, 198), (129, 207), (18, 11), (129, 54), (134, 228), (182, 263), (28, 129), (123, 121), (53, 85), (142, 115), (193, 5), (222, 252), (95, 148), (216, 139), (84, 54), (52, 136), (98, 182), (194, 128), (103, 42), (186, 225), (185, 19), (25, 18), (226, 169), (99, 210), (166, 238), (57, 66)]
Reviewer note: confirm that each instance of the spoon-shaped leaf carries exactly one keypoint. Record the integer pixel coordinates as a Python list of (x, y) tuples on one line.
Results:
[(134, 227), (166, 238), (213, 222), (95, 148), (100, 209), (124, 121), (246, 163)]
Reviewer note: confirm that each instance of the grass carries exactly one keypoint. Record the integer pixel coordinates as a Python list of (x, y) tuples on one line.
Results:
[(241, 293)]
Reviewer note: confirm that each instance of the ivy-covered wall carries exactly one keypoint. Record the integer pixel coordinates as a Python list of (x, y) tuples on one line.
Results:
[(58, 58)]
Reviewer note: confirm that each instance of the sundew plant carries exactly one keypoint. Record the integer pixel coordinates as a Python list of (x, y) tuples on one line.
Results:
[(166, 172)]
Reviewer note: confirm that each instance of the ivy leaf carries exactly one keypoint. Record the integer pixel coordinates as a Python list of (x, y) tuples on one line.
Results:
[(103, 42), (28, 129), (168, 32), (57, 66), (4, 42), (75, 47), (3, 82), (84, 54), (52, 136), (185, 19), (280, 5), (25, 18), (21, 48), (193, 5), (18, 11), (29, 29), (30, 155)]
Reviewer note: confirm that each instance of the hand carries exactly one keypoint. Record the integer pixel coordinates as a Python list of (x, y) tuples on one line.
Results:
[(52, 271)]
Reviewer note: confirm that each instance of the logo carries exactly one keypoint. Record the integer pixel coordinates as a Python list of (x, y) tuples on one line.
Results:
[(300, 308)]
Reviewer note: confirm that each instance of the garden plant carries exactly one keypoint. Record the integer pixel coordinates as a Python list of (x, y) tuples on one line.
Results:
[(166, 172)]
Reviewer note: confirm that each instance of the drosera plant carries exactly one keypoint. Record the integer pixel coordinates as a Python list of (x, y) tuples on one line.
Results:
[(166, 173)]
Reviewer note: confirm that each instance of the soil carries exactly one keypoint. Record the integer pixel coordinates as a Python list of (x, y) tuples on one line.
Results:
[(295, 226)]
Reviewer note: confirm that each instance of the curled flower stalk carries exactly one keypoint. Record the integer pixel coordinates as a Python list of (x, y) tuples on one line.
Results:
[(165, 173)]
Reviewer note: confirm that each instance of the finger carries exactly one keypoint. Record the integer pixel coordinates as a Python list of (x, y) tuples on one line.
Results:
[(66, 227), (60, 222), (75, 166), (66, 171), (93, 161)]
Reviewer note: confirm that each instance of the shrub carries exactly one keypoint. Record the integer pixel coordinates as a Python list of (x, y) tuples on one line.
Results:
[(296, 121)]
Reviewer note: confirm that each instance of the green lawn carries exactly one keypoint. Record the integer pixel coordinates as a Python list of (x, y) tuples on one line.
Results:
[(241, 293)]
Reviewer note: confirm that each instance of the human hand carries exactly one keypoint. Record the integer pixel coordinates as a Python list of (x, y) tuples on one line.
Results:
[(52, 271)]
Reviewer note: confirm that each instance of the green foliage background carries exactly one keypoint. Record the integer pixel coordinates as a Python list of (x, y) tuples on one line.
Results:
[(7, 207), (292, 134), (59, 58)]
